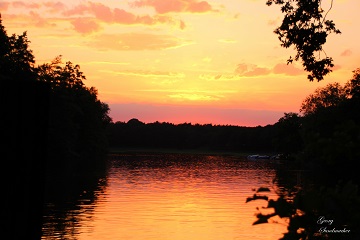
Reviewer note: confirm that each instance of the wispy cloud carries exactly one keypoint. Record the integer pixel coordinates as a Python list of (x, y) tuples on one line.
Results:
[(85, 25), (151, 74), (4, 6), (137, 41), (251, 70), (346, 53), (28, 5), (190, 91), (219, 77), (161, 6), (54, 7), (287, 69), (87, 16), (106, 14), (194, 97), (192, 94), (31, 19), (18, 4)]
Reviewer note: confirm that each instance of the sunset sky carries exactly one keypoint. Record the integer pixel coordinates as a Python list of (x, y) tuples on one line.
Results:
[(214, 61)]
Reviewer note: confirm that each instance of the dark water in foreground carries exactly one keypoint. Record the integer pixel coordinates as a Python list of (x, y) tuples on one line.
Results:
[(162, 197)]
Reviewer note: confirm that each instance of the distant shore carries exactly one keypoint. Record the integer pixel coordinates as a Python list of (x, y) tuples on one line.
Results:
[(179, 151)]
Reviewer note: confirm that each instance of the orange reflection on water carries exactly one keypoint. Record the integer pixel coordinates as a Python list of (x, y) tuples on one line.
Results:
[(200, 200)]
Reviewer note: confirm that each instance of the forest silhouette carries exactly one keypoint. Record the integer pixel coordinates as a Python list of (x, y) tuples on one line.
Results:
[(55, 125)]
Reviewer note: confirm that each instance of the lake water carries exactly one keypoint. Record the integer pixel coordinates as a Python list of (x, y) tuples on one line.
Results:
[(163, 197)]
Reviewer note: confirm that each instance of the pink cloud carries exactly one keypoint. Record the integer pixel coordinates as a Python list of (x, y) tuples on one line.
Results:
[(83, 25), (101, 11), (117, 15), (95, 10), (346, 53), (122, 16), (4, 5), (241, 68), (162, 6), (39, 21), (55, 6), (199, 6), (336, 67), (77, 10), (257, 71), (32, 19), (18, 4), (287, 69), (167, 6), (251, 70)]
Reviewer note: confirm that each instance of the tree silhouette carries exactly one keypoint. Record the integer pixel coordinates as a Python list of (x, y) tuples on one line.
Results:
[(287, 138), (77, 118), (306, 28), (59, 77), (328, 131), (330, 95), (16, 59), (352, 87)]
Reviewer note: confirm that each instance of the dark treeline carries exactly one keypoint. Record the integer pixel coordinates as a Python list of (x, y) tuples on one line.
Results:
[(326, 135), (77, 119), (186, 136), (324, 141), (52, 124), (70, 112)]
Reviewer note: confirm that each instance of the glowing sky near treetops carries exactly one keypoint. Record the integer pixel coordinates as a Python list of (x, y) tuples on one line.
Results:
[(177, 61)]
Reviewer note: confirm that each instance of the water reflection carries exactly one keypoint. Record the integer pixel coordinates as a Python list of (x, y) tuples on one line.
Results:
[(163, 197), (70, 203)]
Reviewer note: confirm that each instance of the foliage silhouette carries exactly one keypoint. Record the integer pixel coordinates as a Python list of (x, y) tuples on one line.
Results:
[(187, 136), (331, 127), (306, 28), (287, 138), (77, 118), (25, 108), (328, 130), (331, 95), (16, 59), (52, 121)]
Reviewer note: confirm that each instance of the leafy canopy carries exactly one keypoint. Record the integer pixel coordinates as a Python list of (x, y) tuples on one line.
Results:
[(306, 28), (332, 95), (16, 59)]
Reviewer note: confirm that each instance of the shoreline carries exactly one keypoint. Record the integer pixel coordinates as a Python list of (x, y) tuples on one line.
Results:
[(113, 151)]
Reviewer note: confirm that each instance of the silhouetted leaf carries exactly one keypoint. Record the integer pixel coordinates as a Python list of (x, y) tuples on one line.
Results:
[(263, 189), (263, 218), (306, 28), (256, 197)]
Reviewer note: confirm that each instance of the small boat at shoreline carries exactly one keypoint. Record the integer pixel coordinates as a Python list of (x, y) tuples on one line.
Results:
[(257, 157)]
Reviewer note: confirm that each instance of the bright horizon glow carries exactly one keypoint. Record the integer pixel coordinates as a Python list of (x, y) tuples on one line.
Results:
[(178, 61)]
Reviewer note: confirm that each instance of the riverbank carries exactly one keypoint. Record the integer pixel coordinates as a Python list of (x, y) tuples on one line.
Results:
[(174, 151), (112, 151)]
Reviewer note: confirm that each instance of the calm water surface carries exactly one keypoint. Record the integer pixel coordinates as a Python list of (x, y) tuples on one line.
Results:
[(158, 197)]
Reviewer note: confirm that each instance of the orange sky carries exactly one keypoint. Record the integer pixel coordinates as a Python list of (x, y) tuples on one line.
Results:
[(180, 61)]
